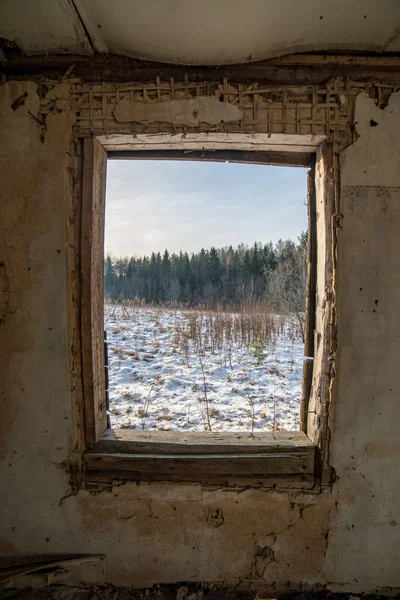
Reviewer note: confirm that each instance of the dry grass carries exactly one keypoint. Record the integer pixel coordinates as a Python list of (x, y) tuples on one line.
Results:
[(217, 330), (214, 412), (214, 327), (118, 329), (202, 331), (133, 354)]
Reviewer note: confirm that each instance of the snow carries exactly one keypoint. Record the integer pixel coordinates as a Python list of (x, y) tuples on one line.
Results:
[(158, 383)]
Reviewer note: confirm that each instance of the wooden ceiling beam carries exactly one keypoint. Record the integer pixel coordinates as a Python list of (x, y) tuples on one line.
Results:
[(303, 69), (275, 158)]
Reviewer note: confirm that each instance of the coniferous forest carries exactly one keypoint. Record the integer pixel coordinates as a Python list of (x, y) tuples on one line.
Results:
[(228, 276)]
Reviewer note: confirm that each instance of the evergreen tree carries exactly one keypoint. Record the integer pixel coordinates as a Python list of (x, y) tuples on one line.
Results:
[(229, 276)]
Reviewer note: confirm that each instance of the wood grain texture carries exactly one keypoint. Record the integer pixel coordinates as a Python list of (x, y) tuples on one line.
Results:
[(325, 325), (275, 158), (108, 478), (291, 70), (74, 270), (125, 441), (202, 458), (311, 291), (92, 317), (169, 467)]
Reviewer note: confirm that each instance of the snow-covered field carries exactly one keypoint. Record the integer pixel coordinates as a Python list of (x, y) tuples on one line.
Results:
[(157, 380)]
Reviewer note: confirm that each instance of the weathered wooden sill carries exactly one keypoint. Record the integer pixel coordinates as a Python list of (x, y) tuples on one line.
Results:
[(283, 459)]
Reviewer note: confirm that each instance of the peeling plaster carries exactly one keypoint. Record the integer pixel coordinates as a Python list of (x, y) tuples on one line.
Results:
[(152, 533), (366, 420), (207, 109)]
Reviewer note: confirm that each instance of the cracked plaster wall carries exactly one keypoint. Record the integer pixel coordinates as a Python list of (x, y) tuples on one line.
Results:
[(158, 533), (363, 544)]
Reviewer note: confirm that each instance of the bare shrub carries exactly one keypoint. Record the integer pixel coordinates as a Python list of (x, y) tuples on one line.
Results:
[(143, 412), (196, 335), (217, 330), (204, 401)]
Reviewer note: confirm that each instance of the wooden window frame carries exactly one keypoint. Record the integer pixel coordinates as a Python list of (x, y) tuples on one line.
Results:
[(271, 459)]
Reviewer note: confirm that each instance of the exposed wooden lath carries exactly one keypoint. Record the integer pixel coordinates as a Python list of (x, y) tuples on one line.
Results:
[(288, 110)]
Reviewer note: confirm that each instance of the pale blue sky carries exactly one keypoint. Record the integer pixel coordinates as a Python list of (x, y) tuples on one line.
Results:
[(153, 205)]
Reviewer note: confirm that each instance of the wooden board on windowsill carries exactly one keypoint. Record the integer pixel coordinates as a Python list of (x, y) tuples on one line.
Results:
[(131, 441), (107, 478), (201, 457)]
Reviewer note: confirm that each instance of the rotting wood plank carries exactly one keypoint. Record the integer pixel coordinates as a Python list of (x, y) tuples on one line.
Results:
[(124, 441), (92, 321), (221, 459), (308, 365), (167, 467), (74, 270), (325, 329), (349, 60), (295, 69), (290, 159), (280, 482)]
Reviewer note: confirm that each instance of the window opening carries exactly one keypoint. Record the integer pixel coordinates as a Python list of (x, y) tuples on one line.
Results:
[(205, 274)]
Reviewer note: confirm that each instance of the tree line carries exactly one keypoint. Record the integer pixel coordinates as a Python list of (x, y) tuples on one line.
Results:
[(227, 276)]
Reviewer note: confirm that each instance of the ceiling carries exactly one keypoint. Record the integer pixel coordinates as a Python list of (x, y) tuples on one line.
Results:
[(200, 32)]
